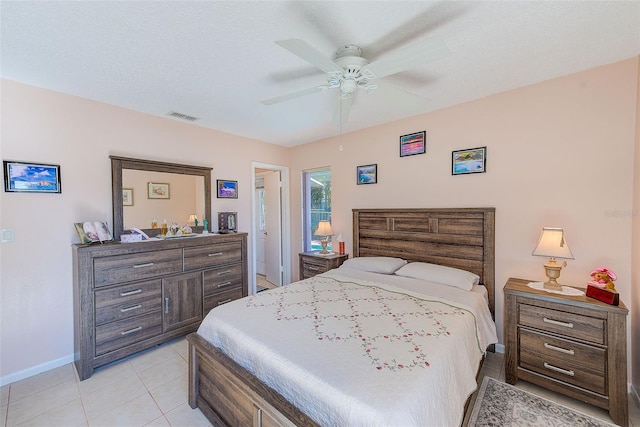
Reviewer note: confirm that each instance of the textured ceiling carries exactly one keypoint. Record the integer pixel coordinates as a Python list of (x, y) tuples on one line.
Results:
[(216, 60)]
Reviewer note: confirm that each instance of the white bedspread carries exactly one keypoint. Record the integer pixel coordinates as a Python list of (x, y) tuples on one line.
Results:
[(349, 350)]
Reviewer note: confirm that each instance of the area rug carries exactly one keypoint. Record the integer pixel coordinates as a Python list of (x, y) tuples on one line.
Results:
[(500, 405)]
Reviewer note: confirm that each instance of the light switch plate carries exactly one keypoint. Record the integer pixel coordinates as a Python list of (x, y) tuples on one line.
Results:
[(6, 235)]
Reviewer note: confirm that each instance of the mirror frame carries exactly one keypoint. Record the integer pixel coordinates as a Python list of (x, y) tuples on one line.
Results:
[(119, 163)]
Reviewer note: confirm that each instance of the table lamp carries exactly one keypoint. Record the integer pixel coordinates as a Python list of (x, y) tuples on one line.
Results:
[(553, 245), (324, 230), (193, 220)]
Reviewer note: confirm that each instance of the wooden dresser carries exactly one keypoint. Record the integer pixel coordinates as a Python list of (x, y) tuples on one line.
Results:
[(131, 296), (572, 345), (312, 263)]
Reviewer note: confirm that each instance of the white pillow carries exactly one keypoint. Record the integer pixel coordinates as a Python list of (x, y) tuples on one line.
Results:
[(440, 274), (374, 264)]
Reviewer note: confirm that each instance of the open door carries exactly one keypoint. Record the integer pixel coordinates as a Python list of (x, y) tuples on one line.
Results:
[(273, 228)]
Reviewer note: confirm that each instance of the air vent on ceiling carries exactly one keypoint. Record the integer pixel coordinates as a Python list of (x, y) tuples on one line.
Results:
[(181, 116)]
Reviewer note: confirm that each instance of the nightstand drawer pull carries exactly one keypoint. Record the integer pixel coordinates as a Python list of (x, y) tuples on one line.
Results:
[(560, 349), (225, 301), (149, 264), (562, 371), (135, 307), (224, 272), (555, 322), (130, 331), (222, 285), (126, 294), (216, 254), (313, 268)]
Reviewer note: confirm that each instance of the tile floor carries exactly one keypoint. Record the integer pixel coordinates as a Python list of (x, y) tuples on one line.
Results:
[(150, 389)]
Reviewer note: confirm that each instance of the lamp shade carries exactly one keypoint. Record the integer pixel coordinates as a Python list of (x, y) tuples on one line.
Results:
[(193, 218), (552, 244), (324, 229)]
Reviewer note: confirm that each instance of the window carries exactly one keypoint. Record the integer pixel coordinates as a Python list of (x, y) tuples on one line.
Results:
[(316, 205)]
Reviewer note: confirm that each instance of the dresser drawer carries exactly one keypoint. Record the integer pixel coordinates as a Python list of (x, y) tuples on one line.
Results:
[(572, 325), (222, 279), (212, 255), (127, 268), (220, 298), (126, 301), (570, 352), (115, 335)]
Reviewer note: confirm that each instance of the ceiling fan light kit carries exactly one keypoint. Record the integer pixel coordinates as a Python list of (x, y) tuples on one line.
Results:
[(349, 71)]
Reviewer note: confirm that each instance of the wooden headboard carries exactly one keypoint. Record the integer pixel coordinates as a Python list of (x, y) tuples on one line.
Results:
[(457, 237)]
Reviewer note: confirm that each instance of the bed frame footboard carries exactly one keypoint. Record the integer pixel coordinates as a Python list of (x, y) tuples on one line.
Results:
[(228, 395)]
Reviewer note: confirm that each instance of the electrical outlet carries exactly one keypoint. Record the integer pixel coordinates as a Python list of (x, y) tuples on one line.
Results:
[(6, 235)]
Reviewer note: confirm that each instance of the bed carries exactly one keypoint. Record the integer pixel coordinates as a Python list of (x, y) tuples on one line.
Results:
[(405, 373)]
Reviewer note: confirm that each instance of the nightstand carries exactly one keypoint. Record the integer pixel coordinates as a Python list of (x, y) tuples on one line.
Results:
[(574, 345), (312, 263)]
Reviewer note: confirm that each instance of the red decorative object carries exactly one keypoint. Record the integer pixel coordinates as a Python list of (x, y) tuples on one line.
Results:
[(612, 298)]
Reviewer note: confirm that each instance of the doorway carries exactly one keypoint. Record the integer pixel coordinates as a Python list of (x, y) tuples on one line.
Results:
[(271, 258)]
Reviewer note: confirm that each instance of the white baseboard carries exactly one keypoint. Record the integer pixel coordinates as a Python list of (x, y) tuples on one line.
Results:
[(8, 379)]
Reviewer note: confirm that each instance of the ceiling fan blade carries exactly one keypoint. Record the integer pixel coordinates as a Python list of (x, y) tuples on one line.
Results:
[(310, 54), (293, 95), (341, 114), (394, 95), (406, 58)]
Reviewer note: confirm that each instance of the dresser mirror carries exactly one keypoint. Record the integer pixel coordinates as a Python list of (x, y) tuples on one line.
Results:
[(158, 190)]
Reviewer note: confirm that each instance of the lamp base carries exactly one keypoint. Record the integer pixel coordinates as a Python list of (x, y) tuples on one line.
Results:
[(552, 285), (323, 243)]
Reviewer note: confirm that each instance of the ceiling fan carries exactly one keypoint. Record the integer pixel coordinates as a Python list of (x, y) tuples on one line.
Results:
[(349, 71)]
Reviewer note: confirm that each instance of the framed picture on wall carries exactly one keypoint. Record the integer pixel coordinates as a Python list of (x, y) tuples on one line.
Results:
[(471, 160), (413, 143), (158, 190), (29, 177), (127, 197), (227, 189), (367, 174)]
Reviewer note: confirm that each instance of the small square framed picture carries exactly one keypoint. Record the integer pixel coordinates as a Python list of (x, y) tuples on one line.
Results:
[(367, 174), (227, 189), (158, 190), (127, 197), (413, 143), (471, 160)]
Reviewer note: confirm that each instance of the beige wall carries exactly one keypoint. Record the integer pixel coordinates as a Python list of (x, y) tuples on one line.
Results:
[(36, 311), (559, 154)]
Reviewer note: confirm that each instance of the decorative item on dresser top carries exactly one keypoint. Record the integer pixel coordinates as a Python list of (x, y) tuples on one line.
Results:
[(131, 296), (572, 345), (313, 263)]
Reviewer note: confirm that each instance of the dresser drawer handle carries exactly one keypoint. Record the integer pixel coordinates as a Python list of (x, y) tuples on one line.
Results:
[(560, 349), (130, 331), (224, 272), (135, 307), (216, 254), (555, 322), (562, 371), (149, 264), (222, 285), (126, 294), (225, 301)]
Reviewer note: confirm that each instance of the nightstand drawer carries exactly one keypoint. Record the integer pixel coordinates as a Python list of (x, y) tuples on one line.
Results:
[(570, 352), (563, 371), (568, 324)]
